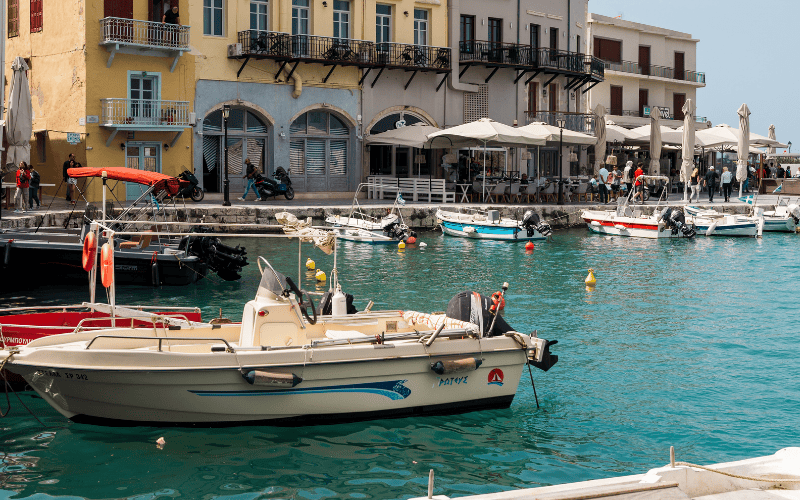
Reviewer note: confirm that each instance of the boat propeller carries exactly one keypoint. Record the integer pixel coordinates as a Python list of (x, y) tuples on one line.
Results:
[(531, 221), (674, 219)]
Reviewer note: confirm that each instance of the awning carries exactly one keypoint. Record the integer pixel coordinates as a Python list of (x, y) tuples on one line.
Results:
[(158, 181)]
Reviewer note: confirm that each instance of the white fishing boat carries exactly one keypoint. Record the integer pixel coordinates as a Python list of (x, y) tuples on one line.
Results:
[(360, 235), (784, 218), (285, 363), (490, 226), (360, 227), (712, 223), (639, 222)]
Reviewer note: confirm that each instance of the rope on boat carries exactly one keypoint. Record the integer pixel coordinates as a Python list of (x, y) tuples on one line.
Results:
[(5, 386), (739, 476)]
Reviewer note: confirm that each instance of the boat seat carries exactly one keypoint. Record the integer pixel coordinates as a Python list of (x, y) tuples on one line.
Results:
[(139, 241)]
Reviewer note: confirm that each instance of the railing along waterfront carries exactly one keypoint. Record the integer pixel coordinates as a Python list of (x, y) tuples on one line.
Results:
[(145, 112), (144, 33), (345, 51), (654, 70), (577, 122)]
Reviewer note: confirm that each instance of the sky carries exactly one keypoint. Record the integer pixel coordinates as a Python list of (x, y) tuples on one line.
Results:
[(747, 50)]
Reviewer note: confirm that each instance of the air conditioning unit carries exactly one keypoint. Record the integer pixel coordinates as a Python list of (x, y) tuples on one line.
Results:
[(235, 50)]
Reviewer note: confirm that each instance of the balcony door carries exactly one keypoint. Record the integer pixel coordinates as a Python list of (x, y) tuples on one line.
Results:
[(383, 31), (144, 95), (341, 19), (141, 156), (259, 15), (680, 66), (616, 100), (420, 27), (553, 97), (467, 37), (118, 8), (301, 12), (644, 59), (678, 100), (644, 97), (495, 39)]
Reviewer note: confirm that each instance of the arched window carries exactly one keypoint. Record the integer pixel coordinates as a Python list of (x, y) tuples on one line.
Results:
[(318, 151), (398, 160), (247, 138)]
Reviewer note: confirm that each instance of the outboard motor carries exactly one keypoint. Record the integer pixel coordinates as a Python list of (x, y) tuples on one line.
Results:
[(224, 260), (474, 308), (398, 232), (676, 221), (794, 211), (531, 221)]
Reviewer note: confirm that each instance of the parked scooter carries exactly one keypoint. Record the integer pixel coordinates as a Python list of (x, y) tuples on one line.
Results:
[(192, 191), (267, 187)]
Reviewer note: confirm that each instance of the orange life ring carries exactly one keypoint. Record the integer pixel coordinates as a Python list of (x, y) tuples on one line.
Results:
[(498, 302), (89, 251), (107, 264)]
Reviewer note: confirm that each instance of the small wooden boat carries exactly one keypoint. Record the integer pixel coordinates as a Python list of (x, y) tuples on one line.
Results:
[(489, 225)]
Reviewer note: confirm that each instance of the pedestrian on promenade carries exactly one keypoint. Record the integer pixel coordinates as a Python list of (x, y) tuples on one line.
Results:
[(626, 175), (602, 177), (638, 184), (710, 183), (694, 183), (615, 177), (33, 190), (69, 181), (23, 183), (250, 175), (726, 178)]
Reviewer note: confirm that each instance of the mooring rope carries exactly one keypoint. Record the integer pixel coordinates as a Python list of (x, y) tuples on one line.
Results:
[(739, 476)]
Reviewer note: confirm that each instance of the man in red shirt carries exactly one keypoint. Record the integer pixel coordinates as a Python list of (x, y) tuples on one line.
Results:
[(23, 180), (638, 186)]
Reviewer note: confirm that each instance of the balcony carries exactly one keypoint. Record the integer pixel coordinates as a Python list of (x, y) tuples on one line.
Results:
[(146, 115), (654, 70), (334, 52), (132, 36), (577, 122)]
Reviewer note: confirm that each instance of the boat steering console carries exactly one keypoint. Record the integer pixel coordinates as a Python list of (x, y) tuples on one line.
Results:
[(302, 296)]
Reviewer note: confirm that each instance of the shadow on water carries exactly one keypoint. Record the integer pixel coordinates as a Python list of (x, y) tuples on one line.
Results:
[(684, 343)]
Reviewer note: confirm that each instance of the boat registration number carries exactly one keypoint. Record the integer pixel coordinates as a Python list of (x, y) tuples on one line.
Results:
[(452, 381), (67, 375)]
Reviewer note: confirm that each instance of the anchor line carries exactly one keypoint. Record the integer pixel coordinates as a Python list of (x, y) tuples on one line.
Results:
[(6, 387)]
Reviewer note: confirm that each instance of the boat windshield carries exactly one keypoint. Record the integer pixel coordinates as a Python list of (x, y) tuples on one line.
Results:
[(272, 281)]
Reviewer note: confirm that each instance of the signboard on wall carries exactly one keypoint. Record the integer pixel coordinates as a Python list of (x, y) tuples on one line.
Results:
[(73, 138)]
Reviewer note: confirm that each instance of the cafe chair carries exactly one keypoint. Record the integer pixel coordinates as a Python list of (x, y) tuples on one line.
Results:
[(497, 192), (581, 193), (549, 193), (512, 192)]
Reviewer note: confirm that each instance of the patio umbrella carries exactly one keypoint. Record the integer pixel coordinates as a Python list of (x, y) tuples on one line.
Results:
[(19, 120), (655, 143), (552, 134), (615, 133), (725, 135), (485, 132), (640, 136), (771, 135), (743, 146), (687, 146), (600, 133), (414, 136)]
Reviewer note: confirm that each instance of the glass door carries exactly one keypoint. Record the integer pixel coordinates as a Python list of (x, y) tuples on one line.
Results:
[(144, 98), (141, 156), (300, 17)]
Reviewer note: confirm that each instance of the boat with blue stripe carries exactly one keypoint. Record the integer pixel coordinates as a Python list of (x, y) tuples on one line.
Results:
[(489, 225)]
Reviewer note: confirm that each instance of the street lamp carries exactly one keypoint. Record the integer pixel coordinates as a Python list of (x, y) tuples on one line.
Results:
[(561, 124), (790, 146), (226, 112)]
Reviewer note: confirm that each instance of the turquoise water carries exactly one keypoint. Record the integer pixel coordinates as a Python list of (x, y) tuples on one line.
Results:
[(691, 343)]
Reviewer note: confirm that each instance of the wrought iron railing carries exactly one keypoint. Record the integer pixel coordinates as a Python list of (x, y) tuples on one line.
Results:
[(525, 56), (144, 33), (654, 70), (343, 50), (577, 122), (511, 54), (145, 112)]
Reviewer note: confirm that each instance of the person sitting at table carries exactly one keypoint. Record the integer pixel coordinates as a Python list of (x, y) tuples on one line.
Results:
[(594, 186), (524, 179)]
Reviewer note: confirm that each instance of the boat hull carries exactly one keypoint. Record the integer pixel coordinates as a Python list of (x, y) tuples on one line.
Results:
[(608, 223), (779, 224), (746, 230), (363, 236)]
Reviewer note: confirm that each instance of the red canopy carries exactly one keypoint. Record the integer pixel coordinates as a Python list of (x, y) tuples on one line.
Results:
[(159, 181)]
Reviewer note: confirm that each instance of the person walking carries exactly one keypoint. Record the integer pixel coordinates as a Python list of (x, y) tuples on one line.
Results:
[(69, 181), (626, 176), (726, 178), (710, 182), (23, 183), (602, 177), (33, 190), (694, 184), (615, 176), (638, 183), (250, 175)]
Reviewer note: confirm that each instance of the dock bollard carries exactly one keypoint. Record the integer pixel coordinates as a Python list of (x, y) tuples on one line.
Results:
[(430, 484)]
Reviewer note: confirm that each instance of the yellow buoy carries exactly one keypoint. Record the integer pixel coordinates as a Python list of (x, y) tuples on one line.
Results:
[(310, 264), (320, 275), (590, 280), (401, 245)]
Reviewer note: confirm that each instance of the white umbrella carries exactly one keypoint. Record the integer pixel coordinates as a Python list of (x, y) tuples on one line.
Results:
[(743, 146), (688, 146), (414, 136), (669, 136), (725, 135), (600, 133), (552, 134), (655, 143), (19, 118), (771, 135), (615, 133), (486, 132)]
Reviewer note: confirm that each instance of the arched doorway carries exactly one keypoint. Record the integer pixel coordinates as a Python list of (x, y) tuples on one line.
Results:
[(319, 152), (247, 138), (400, 161)]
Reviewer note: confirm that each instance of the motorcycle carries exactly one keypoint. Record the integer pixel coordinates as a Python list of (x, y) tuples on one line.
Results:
[(267, 187), (192, 191)]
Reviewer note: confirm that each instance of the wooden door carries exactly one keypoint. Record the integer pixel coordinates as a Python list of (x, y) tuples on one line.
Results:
[(553, 97), (533, 98), (678, 100), (643, 98), (644, 59), (554, 38), (616, 100), (118, 8), (680, 68)]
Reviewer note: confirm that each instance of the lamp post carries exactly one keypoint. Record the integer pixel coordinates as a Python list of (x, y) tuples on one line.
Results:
[(226, 112), (561, 124), (790, 146)]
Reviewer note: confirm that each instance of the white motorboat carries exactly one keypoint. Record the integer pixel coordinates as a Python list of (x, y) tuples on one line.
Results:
[(712, 223), (361, 235), (360, 227), (784, 218), (286, 364), (490, 226)]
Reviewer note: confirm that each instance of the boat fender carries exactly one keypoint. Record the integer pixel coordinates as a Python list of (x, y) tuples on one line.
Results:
[(450, 366), (712, 228), (271, 379), (620, 227), (7, 256), (89, 251), (595, 223), (154, 274), (107, 264)]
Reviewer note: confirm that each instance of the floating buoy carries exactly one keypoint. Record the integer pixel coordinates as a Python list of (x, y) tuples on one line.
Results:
[(411, 240), (529, 245), (160, 442), (422, 244), (89, 251), (107, 264), (590, 280), (310, 264), (401, 245), (320, 275)]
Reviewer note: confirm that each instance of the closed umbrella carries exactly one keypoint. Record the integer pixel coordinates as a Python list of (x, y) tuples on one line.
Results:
[(743, 146), (687, 146), (771, 135), (655, 142), (600, 133), (19, 119)]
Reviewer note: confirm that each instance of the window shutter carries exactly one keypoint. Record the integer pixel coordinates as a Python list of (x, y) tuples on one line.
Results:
[(234, 156), (338, 159), (338, 128), (298, 126), (210, 151), (297, 158), (315, 157), (13, 18), (36, 16)]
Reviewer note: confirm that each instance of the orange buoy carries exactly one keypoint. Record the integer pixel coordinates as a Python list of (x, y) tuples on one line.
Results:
[(107, 264), (89, 251), (529, 245), (411, 240)]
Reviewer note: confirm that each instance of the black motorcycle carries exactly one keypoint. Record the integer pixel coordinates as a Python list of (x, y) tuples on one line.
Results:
[(192, 191), (267, 187)]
